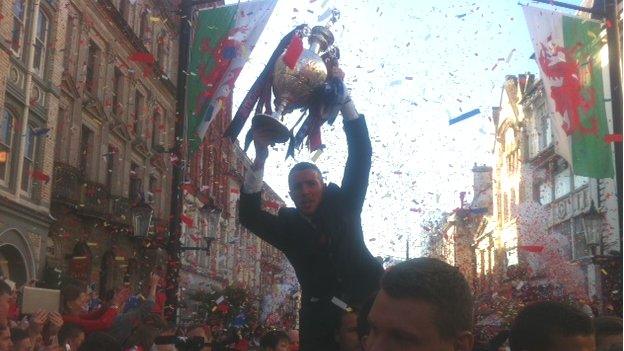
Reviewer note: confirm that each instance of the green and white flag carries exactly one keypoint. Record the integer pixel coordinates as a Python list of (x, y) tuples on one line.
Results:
[(567, 52), (221, 46)]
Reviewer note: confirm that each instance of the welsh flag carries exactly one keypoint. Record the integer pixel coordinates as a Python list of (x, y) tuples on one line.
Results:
[(221, 45), (567, 51)]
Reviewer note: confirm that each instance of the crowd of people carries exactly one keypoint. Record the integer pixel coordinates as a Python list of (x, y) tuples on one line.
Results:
[(422, 304)]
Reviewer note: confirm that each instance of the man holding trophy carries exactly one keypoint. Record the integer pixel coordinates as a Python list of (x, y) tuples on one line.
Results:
[(322, 236)]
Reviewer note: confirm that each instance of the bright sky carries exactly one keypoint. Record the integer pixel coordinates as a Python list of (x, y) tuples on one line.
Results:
[(411, 66)]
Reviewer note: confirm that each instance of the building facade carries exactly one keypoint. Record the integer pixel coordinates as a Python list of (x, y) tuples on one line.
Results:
[(101, 111), (540, 207), (236, 257)]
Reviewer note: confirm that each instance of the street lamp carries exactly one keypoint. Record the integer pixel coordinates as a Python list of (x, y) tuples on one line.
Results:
[(592, 221), (141, 219), (214, 214)]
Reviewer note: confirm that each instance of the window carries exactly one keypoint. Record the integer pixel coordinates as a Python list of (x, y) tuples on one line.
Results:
[(144, 28), (19, 20), (499, 209), (93, 63), (563, 231), (562, 183), (72, 34), (135, 184), (512, 203), (118, 82), (61, 120), (30, 148), (41, 41), (138, 113), (111, 153), (545, 192), (86, 150), (7, 121), (162, 51), (152, 188), (157, 128), (544, 128)]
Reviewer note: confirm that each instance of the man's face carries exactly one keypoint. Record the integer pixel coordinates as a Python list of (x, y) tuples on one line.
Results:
[(574, 343), (293, 335), (306, 190), (347, 334), (408, 325), (282, 345), (5, 340)]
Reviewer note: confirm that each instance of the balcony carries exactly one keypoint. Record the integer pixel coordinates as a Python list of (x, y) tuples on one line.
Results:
[(66, 184), (94, 198)]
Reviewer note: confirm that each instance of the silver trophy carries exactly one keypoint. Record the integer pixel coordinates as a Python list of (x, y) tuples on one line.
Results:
[(294, 87)]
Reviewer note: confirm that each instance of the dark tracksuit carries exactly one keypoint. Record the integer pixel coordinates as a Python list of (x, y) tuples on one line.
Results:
[(327, 250)]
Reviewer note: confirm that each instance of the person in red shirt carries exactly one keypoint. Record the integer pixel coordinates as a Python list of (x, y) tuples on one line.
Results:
[(74, 302)]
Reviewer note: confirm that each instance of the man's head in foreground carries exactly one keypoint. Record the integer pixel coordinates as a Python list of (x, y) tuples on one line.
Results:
[(306, 186), (423, 304), (275, 340), (552, 326), (608, 333)]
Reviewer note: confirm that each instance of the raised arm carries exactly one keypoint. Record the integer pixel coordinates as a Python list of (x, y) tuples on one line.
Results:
[(357, 169), (263, 224)]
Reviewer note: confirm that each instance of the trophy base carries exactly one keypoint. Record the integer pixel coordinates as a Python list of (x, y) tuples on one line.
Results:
[(278, 132)]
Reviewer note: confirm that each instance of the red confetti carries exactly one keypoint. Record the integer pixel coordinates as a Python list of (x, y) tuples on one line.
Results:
[(613, 138), (142, 57), (187, 220), (294, 50), (272, 204), (235, 191), (532, 248), (41, 176)]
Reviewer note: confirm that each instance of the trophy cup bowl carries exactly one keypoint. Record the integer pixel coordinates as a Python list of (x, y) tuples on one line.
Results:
[(293, 87)]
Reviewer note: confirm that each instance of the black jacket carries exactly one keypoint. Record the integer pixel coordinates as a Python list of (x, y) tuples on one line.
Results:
[(327, 251)]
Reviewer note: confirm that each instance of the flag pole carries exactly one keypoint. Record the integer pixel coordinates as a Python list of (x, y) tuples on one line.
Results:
[(177, 195)]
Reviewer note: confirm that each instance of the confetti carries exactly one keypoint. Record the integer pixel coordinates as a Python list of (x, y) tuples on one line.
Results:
[(613, 138), (464, 116)]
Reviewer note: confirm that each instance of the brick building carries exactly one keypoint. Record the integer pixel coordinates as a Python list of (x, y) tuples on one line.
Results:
[(236, 256), (102, 84)]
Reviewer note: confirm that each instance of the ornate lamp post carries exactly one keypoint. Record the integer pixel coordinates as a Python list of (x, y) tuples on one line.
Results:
[(141, 219), (592, 223)]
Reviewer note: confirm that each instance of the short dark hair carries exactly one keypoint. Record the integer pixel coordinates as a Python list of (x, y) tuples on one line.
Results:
[(70, 293), (272, 338), (302, 166), (5, 289), (535, 326), (438, 284), (18, 335), (67, 332), (100, 341), (608, 325)]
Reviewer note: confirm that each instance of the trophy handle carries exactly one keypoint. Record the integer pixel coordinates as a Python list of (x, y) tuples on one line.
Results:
[(278, 132)]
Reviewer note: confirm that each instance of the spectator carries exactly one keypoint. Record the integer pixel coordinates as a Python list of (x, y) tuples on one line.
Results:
[(552, 326), (608, 333), (21, 340), (5, 303), (275, 340), (293, 335), (347, 336), (423, 304), (74, 303), (5, 339), (99, 341), (70, 337)]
